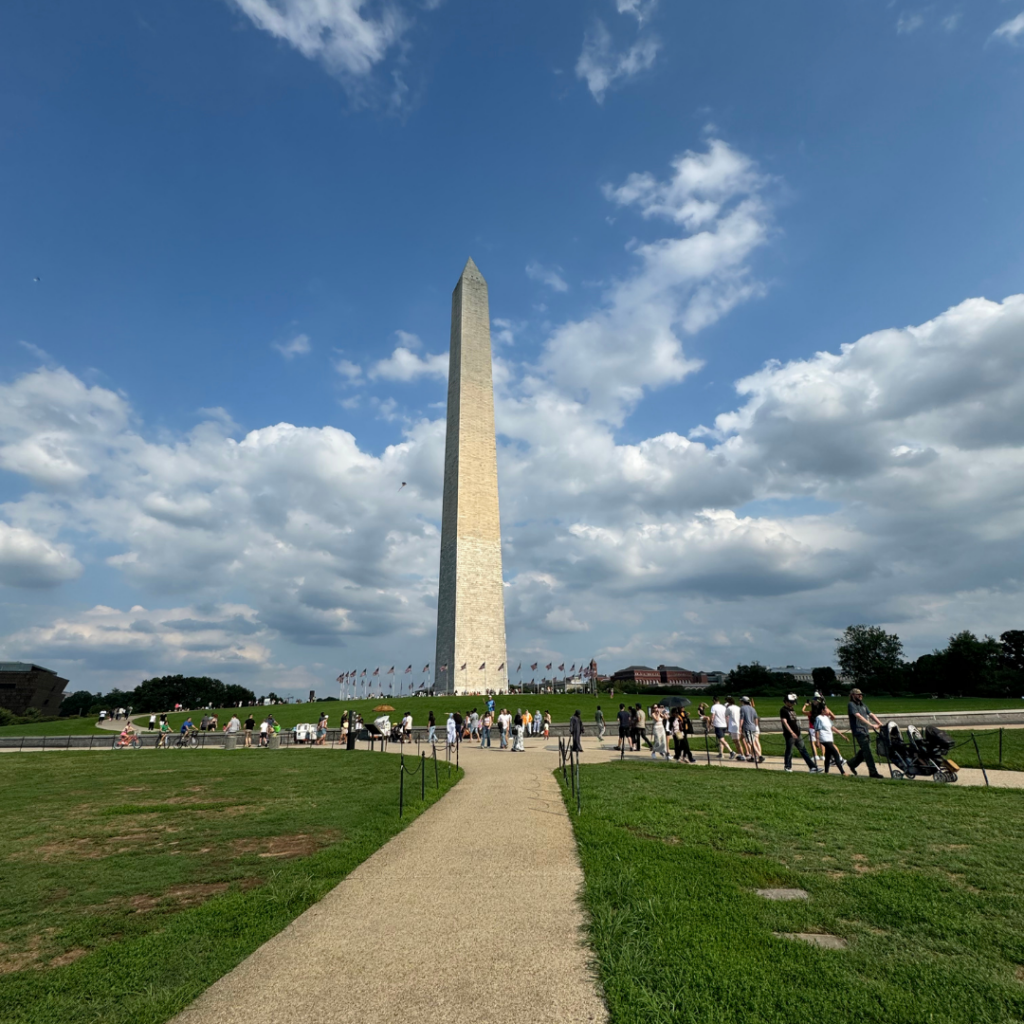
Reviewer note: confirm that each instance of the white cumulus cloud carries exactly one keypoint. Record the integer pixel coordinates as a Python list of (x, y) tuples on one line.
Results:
[(550, 276), (297, 346), (1011, 31), (602, 67)]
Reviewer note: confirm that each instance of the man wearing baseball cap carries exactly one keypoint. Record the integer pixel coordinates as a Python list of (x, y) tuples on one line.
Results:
[(791, 730), (862, 721)]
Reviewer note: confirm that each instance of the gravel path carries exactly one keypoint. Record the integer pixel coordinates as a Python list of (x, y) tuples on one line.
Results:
[(471, 913)]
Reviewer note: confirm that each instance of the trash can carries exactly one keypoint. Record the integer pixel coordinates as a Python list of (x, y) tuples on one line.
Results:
[(274, 742), (230, 740)]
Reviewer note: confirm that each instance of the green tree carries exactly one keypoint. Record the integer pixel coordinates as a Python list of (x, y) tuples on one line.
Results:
[(870, 656), (824, 678), (755, 680), (1011, 649), (79, 702), (970, 664)]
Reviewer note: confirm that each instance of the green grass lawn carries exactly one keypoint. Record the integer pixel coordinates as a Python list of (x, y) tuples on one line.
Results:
[(72, 726), (132, 881), (924, 883)]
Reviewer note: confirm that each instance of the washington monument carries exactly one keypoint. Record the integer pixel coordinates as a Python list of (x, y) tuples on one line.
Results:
[(470, 602)]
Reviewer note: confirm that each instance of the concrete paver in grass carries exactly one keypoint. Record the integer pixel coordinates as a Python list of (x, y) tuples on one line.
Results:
[(471, 913)]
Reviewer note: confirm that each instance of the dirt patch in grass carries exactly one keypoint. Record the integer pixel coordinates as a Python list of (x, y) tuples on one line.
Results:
[(1019, 973), (298, 845), (66, 958)]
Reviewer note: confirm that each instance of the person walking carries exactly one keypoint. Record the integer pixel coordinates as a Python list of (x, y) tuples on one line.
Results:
[(641, 726), (599, 719), (504, 724), (625, 725), (451, 730), (809, 710), (431, 729), (234, 725), (406, 727), (517, 731), (250, 724), (658, 731), (749, 719), (862, 721), (681, 728), (485, 729), (538, 723), (824, 725), (576, 732), (152, 723), (732, 714), (791, 730), (720, 723), (547, 724)]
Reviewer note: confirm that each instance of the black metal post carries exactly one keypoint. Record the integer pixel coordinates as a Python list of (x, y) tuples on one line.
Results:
[(437, 781), (401, 786), (1000, 744), (707, 752), (423, 776), (572, 770), (978, 752), (579, 795)]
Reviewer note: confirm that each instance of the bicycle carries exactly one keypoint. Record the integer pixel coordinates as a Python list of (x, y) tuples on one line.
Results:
[(133, 742), (187, 739)]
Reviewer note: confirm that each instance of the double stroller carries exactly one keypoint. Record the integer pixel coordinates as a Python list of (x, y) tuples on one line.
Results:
[(918, 754)]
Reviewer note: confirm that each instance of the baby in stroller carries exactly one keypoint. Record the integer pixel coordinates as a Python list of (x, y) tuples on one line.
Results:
[(919, 754)]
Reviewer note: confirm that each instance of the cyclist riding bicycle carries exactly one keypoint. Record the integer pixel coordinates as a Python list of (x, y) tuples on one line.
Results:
[(187, 726), (128, 737)]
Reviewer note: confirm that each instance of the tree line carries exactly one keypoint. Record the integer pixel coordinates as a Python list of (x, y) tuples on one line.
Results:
[(872, 659), (161, 694)]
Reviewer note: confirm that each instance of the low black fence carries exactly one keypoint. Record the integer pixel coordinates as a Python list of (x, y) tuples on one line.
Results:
[(569, 766)]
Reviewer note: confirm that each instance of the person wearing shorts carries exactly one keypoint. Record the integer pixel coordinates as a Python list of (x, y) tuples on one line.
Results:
[(624, 726), (732, 715), (250, 724), (720, 723)]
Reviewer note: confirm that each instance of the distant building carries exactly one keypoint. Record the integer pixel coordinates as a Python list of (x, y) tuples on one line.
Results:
[(636, 675), (24, 686), (714, 678), (673, 675), (801, 675)]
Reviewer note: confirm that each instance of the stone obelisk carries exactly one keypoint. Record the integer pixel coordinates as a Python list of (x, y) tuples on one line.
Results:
[(470, 600)]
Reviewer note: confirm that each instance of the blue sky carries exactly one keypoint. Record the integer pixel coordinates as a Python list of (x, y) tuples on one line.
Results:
[(247, 217)]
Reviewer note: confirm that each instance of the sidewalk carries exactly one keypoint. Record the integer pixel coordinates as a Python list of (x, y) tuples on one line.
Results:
[(471, 913), (966, 776)]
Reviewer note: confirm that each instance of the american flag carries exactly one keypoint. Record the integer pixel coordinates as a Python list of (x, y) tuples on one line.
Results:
[(500, 667), (426, 668), (408, 670), (342, 678), (443, 668), (463, 669), (483, 665), (548, 666), (376, 671), (561, 668), (533, 667), (572, 668), (390, 671), (520, 669), (363, 673)]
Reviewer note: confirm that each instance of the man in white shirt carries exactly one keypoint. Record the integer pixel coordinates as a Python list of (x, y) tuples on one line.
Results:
[(504, 724), (720, 723), (234, 724), (732, 713)]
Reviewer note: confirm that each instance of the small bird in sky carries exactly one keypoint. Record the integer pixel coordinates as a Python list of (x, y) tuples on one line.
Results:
[(36, 279), (403, 484)]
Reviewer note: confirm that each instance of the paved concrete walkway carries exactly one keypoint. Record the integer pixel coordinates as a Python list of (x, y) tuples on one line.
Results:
[(470, 914), (966, 776)]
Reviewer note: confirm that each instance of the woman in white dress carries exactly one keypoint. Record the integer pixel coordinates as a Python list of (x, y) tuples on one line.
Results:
[(658, 746)]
